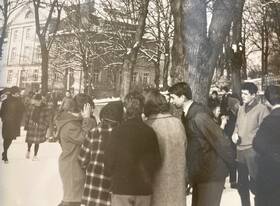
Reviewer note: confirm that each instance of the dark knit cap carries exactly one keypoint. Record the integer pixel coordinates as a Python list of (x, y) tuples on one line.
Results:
[(112, 111)]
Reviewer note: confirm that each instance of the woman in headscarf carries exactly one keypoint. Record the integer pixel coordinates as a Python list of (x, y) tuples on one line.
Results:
[(36, 124), (73, 126), (97, 184)]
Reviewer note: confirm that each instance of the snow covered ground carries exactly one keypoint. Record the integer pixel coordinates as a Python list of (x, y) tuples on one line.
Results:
[(24, 182)]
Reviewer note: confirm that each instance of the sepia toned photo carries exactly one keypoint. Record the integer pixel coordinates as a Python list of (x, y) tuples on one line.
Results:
[(140, 102)]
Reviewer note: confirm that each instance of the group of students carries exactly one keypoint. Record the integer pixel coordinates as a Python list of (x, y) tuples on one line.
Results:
[(140, 154)]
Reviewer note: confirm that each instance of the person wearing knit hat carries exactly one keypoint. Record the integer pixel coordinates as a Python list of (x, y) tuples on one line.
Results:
[(97, 185), (11, 113)]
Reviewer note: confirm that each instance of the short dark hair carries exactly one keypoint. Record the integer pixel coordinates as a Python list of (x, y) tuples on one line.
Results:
[(181, 88), (155, 103), (250, 86), (215, 92), (80, 100), (134, 104), (272, 94), (225, 88)]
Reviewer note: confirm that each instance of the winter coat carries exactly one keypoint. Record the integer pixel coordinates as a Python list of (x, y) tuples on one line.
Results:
[(11, 113), (97, 185), (209, 152), (132, 157), (36, 132), (72, 131), (267, 145), (169, 185)]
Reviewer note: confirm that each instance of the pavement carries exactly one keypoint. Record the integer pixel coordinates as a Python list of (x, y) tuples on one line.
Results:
[(24, 182)]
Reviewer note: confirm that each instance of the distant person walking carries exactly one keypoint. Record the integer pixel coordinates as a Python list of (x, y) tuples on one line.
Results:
[(66, 101), (169, 187), (249, 118), (73, 126), (98, 184), (36, 124), (132, 157), (267, 145), (11, 113)]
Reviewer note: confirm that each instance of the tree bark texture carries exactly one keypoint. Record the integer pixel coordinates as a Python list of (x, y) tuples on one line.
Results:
[(202, 48), (177, 72), (131, 55), (237, 61), (4, 26)]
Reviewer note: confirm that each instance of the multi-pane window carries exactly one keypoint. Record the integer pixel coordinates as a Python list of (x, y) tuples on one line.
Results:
[(36, 75), (28, 34), (9, 76), (15, 36), (23, 76), (37, 55), (13, 54), (95, 77), (134, 77), (146, 78), (26, 53)]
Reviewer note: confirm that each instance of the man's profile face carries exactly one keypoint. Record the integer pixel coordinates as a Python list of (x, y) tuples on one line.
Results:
[(176, 100), (246, 96)]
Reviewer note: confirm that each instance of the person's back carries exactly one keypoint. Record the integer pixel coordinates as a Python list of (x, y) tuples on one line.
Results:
[(132, 157)]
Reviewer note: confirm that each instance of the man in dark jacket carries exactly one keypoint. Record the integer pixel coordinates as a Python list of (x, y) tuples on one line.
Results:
[(11, 114), (267, 145), (209, 154), (132, 157)]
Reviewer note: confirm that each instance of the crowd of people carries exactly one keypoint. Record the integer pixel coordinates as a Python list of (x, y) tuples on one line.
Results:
[(139, 154)]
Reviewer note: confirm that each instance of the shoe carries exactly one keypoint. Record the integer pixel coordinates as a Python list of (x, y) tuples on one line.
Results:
[(6, 161), (27, 155), (35, 158)]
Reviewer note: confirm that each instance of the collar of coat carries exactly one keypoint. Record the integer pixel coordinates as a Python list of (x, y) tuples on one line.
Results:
[(159, 116)]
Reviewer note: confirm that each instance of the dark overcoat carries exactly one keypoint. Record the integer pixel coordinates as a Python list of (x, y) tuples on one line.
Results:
[(36, 132), (267, 145), (11, 114)]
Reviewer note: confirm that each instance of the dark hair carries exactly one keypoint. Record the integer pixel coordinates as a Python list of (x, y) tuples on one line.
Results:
[(181, 88), (14, 90), (80, 100), (250, 86), (215, 92), (134, 104), (225, 88), (272, 94), (213, 105), (155, 103), (112, 112)]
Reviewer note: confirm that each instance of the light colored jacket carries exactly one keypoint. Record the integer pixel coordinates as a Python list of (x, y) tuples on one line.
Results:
[(170, 181), (72, 131)]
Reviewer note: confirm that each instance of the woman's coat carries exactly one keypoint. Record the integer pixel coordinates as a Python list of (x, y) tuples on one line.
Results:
[(170, 182)]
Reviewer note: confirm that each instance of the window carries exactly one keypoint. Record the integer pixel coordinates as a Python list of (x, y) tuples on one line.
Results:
[(28, 34), (36, 75), (26, 54), (28, 15), (15, 36), (146, 78), (37, 53), (9, 76), (13, 54), (23, 76), (134, 77), (95, 77)]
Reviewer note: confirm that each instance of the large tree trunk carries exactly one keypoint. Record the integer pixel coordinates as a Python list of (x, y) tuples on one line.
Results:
[(131, 55), (238, 54), (44, 67), (202, 51), (177, 72), (4, 25), (166, 65)]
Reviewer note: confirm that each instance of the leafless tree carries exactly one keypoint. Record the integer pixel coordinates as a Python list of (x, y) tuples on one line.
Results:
[(7, 8), (51, 24)]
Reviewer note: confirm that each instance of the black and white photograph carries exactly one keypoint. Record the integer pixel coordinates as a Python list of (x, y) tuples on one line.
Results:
[(140, 102)]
